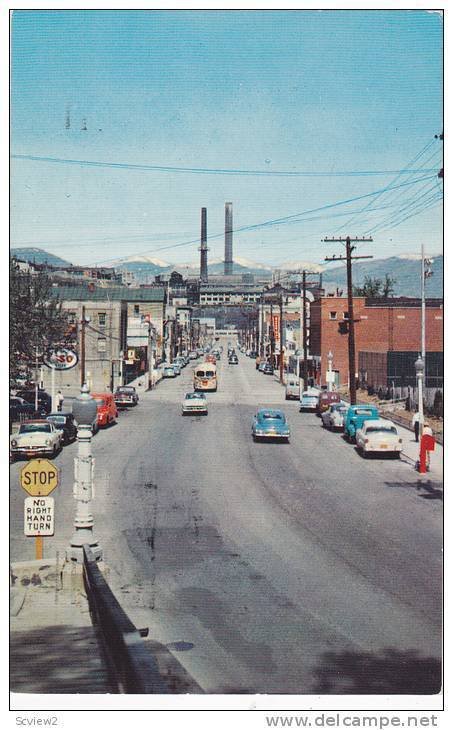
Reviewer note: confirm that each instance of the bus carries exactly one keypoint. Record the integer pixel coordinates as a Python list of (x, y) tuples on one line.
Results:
[(205, 377)]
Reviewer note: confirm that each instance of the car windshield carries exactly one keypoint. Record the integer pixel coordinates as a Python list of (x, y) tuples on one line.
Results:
[(272, 417), (32, 427), (129, 391), (363, 412), (205, 373), (100, 401), (194, 396), (56, 419), (381, 429)]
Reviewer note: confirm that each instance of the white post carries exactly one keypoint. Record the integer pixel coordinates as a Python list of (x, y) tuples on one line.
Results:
[(84, 410), (329, 360), (36, 379), (423, 353), (298, 375), (52, 387)]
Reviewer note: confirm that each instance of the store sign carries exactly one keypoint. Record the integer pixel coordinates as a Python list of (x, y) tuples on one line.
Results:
[(276, 327), (61, 359)]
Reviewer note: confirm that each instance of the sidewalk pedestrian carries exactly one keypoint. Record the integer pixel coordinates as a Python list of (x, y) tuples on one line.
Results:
[(427, 431), (416, 425), (59, 399)]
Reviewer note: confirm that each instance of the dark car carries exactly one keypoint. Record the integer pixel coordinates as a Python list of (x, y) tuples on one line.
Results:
[(64, 422), (268, 369), (44, 400), (20, 409), (233, 360), (125, 395)]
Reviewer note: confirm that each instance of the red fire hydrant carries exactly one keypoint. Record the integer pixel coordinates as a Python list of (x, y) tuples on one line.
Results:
[(427, 443)]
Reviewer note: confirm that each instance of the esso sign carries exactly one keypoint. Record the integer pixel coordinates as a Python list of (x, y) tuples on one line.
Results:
[(61, 359)]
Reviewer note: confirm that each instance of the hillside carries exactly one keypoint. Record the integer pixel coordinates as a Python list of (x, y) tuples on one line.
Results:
[(406, 271), (38, 256)]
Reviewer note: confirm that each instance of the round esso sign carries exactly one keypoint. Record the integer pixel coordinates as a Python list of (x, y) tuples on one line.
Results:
[(61, 359)]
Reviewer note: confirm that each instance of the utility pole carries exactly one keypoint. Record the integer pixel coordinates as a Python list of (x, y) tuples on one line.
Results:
[(281, 338), (351, 336), (304, 324), (272, 336), (426, 272)]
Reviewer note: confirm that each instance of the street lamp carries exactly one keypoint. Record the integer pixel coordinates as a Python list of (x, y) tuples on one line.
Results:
[(84, 411), (420, 374), (329, 360)]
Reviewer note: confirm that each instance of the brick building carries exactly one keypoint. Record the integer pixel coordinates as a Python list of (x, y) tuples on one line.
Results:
[(381, 326)]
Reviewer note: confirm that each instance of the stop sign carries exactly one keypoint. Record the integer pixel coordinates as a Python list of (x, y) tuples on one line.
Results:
[(39, 477)]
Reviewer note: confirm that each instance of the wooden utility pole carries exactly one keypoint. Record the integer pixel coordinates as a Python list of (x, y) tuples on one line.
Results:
[(351, 335), (281, 337), (272, 336)]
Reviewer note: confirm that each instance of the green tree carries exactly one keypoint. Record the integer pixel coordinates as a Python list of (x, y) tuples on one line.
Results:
[(37, 321), (375, 288)]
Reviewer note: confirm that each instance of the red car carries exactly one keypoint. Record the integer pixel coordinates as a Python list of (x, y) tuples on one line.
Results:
[(106, 407)]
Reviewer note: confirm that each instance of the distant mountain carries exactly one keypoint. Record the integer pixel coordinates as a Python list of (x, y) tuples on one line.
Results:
[(144, 267), (38, 256), (405, 269)]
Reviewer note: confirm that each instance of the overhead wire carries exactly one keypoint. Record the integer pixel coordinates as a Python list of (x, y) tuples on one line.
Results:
[(212, 171)]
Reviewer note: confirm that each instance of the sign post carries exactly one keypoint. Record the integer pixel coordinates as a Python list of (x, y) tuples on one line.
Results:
[(39, 478)]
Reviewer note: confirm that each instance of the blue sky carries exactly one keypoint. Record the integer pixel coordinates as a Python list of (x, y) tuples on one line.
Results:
[(310, 91)]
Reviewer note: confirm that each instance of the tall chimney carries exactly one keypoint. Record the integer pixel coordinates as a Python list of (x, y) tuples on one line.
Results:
[(228, 262), (203, 249)]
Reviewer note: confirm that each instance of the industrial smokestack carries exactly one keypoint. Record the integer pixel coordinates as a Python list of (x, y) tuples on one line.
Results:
[(203, 249), (228, 262)]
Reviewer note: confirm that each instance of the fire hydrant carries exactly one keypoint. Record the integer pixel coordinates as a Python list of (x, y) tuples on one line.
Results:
[(427, 443)]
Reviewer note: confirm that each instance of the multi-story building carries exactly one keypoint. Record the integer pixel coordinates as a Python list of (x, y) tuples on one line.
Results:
[(381, 326), (104, 319)]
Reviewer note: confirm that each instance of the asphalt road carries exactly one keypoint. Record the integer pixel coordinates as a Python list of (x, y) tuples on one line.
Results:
[(269, 567)]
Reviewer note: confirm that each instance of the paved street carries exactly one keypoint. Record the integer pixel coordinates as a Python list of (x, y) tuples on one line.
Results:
[(264, 567)]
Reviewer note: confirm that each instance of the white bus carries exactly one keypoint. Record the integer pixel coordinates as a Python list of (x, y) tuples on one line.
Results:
[(205, 377)]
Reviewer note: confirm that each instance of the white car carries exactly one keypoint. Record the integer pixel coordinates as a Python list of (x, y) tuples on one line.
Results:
[(36, 438), (169, 372), (195, 403), (379, 435), (292, 389), (334, 417)]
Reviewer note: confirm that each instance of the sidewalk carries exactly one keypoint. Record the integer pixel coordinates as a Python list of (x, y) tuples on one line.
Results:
[(411, 451), (53, 645)]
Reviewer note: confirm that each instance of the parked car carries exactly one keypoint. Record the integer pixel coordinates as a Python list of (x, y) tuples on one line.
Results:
[(107, 412), (64, 422), (20, 409), (355, 417), (261, 366), (333, 418), (268, 369), (233, 360), (195, 403), (169, 372), (379, 435), (44, 400), (36, 438), (193, 354), (125, 395), (270, 424), (325, 400), (292, 390), (309, 400)]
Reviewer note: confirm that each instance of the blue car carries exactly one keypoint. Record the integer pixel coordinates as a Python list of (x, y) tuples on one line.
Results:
[(355, 417), (270, 424)]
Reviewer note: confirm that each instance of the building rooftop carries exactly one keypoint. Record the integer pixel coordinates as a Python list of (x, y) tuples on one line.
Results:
[(100, 294)]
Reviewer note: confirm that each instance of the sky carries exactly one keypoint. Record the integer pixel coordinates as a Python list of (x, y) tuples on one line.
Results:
[(241, 96)]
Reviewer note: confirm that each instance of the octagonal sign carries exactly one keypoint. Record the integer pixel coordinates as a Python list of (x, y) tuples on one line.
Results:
[(39, 477)]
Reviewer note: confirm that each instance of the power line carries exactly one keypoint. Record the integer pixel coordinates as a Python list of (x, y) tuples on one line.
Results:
[(216, 171), (277, 221)]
